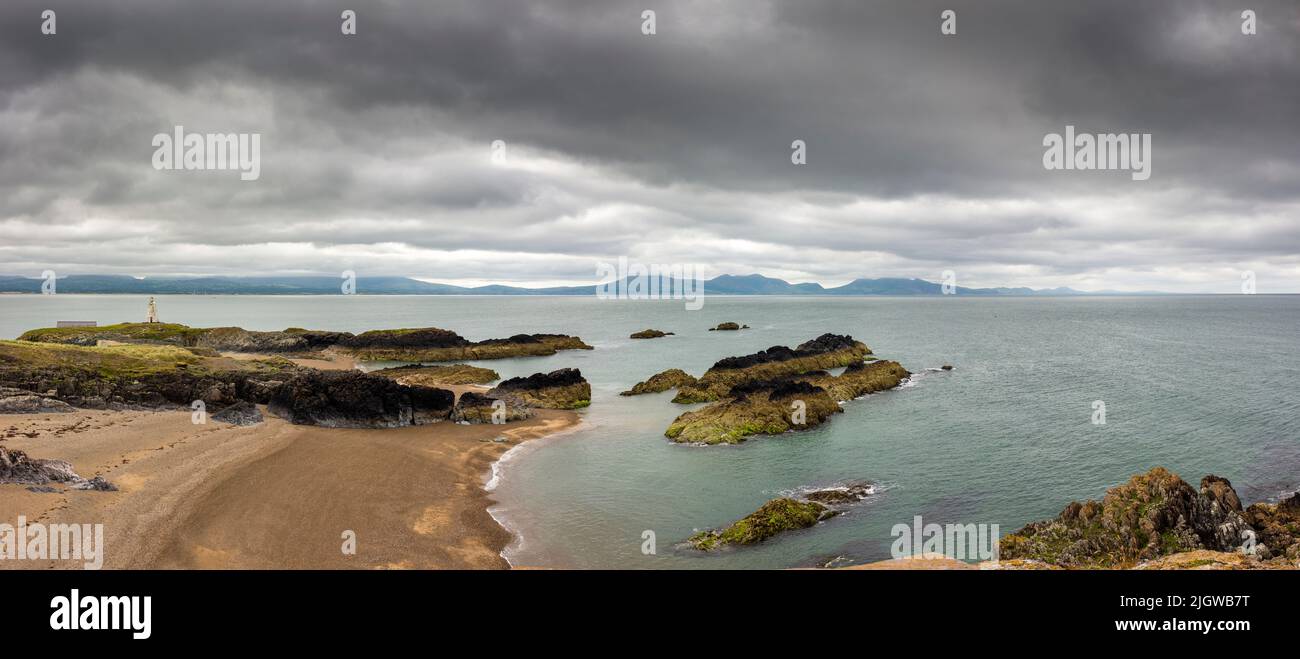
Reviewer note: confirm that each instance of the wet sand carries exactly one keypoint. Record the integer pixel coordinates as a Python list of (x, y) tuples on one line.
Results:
[(271, 496)]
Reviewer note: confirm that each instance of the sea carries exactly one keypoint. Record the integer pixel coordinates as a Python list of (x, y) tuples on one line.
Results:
[(1197, 384)]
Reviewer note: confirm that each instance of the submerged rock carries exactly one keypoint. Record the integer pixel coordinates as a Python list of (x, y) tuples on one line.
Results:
[(474, 407), (728, 327), (242, 413), (352, 399), (1153, 514), (563, 389), (775, 516), (669, 379), (649, 334)]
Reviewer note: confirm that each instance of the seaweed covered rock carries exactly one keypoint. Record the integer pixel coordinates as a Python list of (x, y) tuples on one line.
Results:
[(1277, 526), (431, 344), (17, 467), (449, 374), (473, 407), (669, 379), (352, 399), (824, 352), (728, 327), (775, 516), (649, 334), (564, 389), (755, 408), (1153, 514), (20, 401), (860, 379)]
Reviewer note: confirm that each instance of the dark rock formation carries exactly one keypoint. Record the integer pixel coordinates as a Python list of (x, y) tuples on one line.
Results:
[(351, 399), (728, 327), (946, 367), (1152, 515), (564, 389), (843, 494), (824, 352), (473, 407), (16, 467), (432, 344), (242, 413), (669, 379), (775, 516), (649, 334), (19, 401), (292, 340)]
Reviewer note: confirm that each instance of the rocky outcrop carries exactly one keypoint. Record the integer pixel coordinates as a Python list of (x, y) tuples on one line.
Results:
[(1152, 515), (19, 401), (649, 334), (841, 494), (427, 344), (16, 467), (429, 376), (1277, 527), (242, 413), (728, 327), (564, 389), (351, 399), (768, 408), (432, 344), (136, 376), (824, 352), (669, 379), (775, 516), (859, 379), (473, 407)]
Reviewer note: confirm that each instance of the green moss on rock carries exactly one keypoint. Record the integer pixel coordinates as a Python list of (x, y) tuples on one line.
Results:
[(775, 516)]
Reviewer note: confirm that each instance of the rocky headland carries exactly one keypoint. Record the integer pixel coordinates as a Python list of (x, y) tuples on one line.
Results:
[(1158, 519), (824, 352), (430, 376), (428, 344)]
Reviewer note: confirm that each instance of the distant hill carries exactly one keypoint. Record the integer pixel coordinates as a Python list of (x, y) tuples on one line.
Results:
[(722, 285)]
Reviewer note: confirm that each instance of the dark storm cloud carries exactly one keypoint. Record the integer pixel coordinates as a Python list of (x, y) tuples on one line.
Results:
[(924, 151)]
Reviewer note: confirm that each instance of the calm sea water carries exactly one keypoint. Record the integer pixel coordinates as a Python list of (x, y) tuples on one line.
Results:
[(1197, 384)]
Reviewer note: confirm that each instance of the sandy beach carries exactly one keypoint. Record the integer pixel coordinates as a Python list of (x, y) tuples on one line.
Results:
[(273, 495)]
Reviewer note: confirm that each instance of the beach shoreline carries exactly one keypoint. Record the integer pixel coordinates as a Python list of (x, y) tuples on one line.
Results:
[(273, 495)]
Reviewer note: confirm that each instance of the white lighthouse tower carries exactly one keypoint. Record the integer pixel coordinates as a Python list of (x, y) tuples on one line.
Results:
[(153, 312)]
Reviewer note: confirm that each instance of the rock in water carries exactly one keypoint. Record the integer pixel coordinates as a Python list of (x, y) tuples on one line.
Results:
[(564, 389), (352, 399), (851, 493), (773, 517), (1152, 515), (242, 413), (728, 327), (20, 401), (649, 334), (669, 379)]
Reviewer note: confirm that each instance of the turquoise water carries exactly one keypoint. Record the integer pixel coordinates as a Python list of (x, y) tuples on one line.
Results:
[(1199, 384)]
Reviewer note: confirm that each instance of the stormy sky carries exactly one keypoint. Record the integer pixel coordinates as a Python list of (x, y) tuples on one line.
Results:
[(924, 151)]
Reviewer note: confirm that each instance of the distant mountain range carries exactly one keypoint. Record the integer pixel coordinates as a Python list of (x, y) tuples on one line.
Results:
[(722, 285)]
